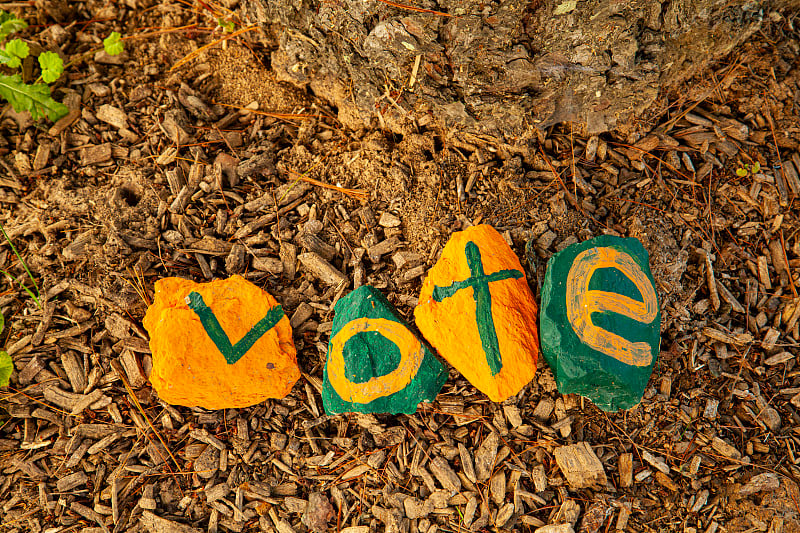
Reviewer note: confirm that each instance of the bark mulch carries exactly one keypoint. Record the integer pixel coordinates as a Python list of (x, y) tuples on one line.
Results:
[(215, 168)]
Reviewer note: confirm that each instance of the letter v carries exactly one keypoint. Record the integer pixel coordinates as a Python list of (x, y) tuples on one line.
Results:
[(231, 352)]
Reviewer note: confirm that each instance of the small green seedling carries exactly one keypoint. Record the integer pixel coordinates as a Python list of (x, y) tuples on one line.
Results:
[(32, 97), (35, 97), (113, 44), (34, 297), (52, 66), (227, 25), (748, 169), (6, 365)]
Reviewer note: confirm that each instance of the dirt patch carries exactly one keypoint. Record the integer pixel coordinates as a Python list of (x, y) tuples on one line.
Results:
[(242, 78)]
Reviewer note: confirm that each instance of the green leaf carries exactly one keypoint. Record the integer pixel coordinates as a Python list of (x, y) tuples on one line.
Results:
[(113, 44), (741, 172), (2, 322), (6, 367), (227, 25), (10, 24), (52, 66), (756, 167), (34, 97), (17, 50)]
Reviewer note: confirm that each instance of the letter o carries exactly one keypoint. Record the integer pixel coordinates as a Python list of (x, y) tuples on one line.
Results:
[(411, 356)]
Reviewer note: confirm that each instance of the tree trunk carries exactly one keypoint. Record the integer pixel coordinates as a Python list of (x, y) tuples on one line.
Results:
[(499, 68)]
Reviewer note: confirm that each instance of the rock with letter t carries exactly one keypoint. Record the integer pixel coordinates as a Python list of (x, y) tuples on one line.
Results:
[(375, 363), (477, 310), (218, 345), (600, 321)]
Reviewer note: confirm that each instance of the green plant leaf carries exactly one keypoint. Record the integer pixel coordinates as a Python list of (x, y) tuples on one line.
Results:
[(52, 66), (33, 97), (2, 322), (113, 44), (227, 25), (756, 167), (10, 24), (6, 367), (741, 172), (18, 50)]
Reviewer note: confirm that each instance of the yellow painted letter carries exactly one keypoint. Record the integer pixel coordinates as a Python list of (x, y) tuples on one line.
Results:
[(581, 303), (411, 355)]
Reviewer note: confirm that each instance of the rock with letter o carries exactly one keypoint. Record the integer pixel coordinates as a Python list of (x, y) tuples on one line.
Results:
[(376, 364), (600, 321)]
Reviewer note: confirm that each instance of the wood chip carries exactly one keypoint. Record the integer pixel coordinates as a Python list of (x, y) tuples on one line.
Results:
[(736, 338), (580, 465), (779, 358), (92, 155), (445, 474), (322, 269), (112, 115), (725, 449), (467, 464), (89, 514), (729, 298), (156, 524), (779, 261), (711, 281), (763, 273), (656, 462), (67, 483), (625, 465), (485, 457), (133, 371)]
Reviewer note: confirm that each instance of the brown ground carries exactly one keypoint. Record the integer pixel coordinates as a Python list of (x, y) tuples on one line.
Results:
[(86, 445)]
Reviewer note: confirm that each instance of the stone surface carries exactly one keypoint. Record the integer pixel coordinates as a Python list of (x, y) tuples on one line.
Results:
[(476, 309), (219, 345), (375, 363), (601, 321)]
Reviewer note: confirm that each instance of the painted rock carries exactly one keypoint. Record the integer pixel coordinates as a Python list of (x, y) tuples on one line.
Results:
[(477, 310), (218, 345), (601, 321), (375, 363)]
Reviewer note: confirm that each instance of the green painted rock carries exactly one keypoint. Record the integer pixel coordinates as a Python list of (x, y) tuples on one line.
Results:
[(600, 321), (375, 363)]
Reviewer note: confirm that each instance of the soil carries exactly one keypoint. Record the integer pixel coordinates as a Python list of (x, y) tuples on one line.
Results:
[(164, 171)]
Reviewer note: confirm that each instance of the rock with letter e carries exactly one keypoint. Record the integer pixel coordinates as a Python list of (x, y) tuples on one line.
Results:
[(218, 345), (375, 363), (477, 310), (600, 321)]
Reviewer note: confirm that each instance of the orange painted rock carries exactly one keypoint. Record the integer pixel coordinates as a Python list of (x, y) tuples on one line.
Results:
[(219, 345), (476, 309)]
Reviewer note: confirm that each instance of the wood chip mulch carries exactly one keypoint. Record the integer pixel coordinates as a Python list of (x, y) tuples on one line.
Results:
[(151, 176)]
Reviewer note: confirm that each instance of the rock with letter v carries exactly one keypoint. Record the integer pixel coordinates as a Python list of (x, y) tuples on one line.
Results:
[(375, 363), (600, 321), (477, 310), (219, 345)]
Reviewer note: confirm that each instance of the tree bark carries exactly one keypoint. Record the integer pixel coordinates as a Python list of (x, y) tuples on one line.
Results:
[(499, 68)]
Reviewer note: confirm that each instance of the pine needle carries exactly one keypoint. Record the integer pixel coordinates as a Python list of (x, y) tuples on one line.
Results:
[(353, 193), (117, 366), (281, 116), (417, 9)]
